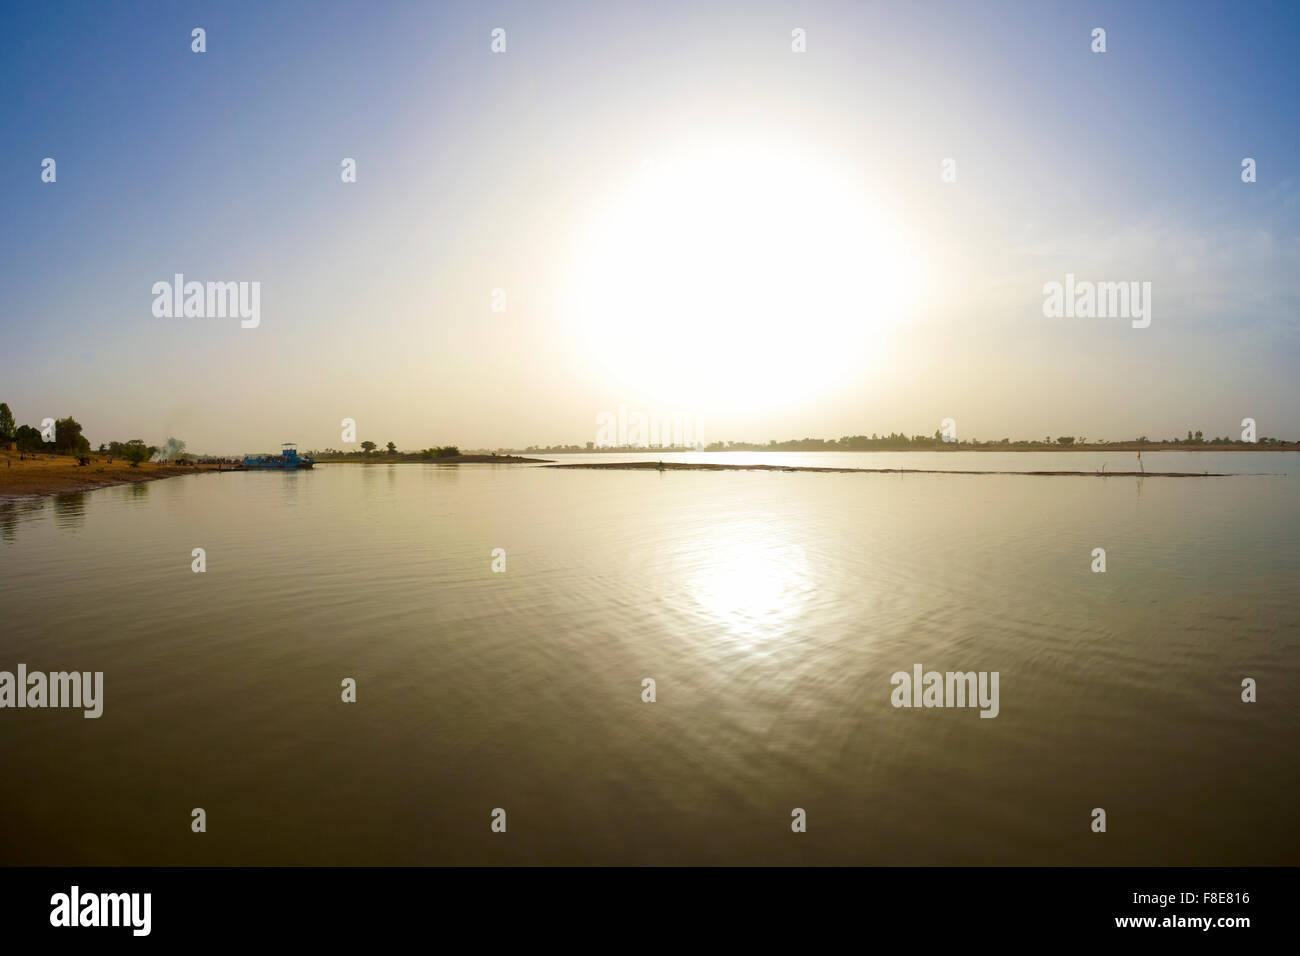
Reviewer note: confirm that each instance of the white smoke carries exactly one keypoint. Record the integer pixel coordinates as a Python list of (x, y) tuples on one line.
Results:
[(169, 451)]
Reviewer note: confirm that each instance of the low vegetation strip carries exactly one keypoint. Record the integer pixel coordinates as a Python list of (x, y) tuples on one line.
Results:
[(702, 466)]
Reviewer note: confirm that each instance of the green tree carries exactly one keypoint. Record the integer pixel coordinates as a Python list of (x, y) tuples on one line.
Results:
[(392, 449), (368, 446), (68, 439), (6, 423), (28, 438)]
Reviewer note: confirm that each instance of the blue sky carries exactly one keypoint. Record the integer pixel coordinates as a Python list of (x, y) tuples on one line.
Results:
[(479, 171)]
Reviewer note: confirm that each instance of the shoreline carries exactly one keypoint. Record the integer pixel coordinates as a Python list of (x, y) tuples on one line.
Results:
[(1147, 447), (702, 466), (44, 474), (48, 474), (448, 460)]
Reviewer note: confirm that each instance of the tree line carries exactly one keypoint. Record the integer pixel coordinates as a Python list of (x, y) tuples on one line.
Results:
[(69, 440), (898, 441), (368, 448)]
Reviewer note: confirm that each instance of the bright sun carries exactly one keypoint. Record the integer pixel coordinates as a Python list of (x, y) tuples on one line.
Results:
[(737, 279)]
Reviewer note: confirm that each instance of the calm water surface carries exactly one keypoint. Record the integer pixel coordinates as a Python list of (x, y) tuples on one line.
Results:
[(771, 610)]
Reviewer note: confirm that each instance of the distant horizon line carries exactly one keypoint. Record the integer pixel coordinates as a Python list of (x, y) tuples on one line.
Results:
[(31, 438), (891, 442)]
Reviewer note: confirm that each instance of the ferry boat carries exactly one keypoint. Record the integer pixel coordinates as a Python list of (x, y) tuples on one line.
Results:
[(287, 459)]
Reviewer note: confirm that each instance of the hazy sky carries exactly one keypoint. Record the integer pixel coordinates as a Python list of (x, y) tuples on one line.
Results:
[(685, 216)]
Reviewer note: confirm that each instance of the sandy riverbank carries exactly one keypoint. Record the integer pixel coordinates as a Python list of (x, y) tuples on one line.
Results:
[(47, 474), (59, 474)]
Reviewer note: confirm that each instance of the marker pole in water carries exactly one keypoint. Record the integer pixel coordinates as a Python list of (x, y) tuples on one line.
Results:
[(1140, 465)]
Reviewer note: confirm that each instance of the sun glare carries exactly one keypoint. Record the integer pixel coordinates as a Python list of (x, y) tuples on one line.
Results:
[(745, 584), (723, 274)]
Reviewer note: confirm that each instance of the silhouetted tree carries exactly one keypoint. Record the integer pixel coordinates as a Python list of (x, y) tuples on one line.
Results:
[(28, 438), (68, 439)]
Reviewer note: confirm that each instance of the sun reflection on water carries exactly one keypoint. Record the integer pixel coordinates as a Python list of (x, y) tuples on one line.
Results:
[(747, 582)]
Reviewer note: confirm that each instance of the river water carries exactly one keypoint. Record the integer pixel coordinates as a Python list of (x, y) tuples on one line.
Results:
[(770, 609)]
